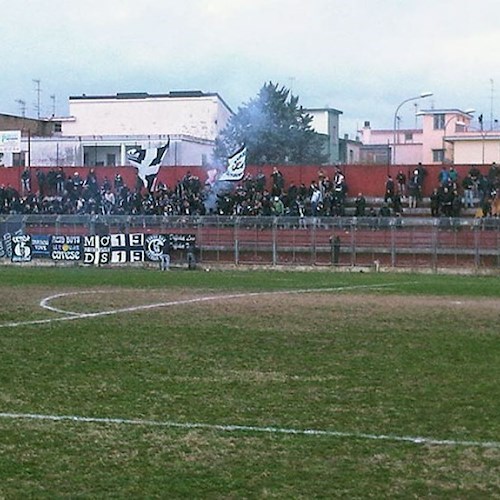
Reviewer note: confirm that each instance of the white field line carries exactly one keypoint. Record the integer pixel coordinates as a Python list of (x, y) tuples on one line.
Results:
[(255, 429), (219, 427), (70, 315)]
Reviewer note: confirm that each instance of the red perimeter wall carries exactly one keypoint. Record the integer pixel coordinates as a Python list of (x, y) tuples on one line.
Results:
[(367, 179)]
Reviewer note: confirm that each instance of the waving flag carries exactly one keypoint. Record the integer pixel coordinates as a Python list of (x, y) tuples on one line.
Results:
[(235, 166), (148, 162)]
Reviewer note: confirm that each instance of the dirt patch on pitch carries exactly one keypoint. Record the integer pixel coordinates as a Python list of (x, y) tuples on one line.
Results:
[(253, 305)]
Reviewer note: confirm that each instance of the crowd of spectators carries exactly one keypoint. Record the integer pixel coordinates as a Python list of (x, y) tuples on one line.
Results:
[(57, 194), (52, 192), (473, 191)]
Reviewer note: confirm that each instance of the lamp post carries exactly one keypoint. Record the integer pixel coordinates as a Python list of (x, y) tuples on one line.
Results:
[(469, 112), (421, 96)]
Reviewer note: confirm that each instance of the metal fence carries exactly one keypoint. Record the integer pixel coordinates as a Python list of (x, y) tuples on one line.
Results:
[(403, 242)]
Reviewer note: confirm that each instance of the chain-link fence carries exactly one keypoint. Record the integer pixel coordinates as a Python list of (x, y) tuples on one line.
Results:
[(343, 241)]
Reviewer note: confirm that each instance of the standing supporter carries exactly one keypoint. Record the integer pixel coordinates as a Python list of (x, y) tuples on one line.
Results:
[(444, 177), (446, 201), (413, 190), (483, 188), (360, 204), (60, 180), (456, 204), (397, 204), (165, 255), (434, 199), (26, 180), (278, 182), (91, 182), (389, 190), (316, 199), (40, 177), (494, 177), (421, 173), (401, 180), (453, 175), (468, 187)]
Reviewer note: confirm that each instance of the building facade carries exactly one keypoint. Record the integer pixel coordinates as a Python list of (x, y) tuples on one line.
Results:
[(100, 129), (447, 136), (438, 125), (325, 121), (383, 147)]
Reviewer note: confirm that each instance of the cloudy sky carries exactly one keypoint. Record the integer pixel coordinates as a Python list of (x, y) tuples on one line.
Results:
[(363, 57)]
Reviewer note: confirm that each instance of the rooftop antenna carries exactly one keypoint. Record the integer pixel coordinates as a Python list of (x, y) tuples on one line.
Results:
[(492, 85), (38, 92), (53, 99), (22, 107)]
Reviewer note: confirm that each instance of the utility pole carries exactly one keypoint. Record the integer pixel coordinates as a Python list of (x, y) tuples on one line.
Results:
[(38, 92)]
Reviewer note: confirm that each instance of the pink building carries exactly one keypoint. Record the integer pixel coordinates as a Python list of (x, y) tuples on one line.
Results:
[(438, 125), (402, 146), (446, 136)]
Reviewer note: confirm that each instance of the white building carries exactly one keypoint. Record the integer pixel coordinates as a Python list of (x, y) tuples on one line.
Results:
[(100, 129), (325, 121)]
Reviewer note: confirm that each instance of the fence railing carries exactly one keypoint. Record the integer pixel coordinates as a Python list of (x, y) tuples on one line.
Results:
[(342, 241)]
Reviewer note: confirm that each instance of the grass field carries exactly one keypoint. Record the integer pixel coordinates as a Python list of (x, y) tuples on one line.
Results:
[(131, 383)]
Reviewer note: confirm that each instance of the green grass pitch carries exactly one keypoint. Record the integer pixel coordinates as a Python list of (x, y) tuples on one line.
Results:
[(133, 383)]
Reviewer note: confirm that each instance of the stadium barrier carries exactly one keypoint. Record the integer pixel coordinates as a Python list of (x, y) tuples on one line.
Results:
[(395, 242)]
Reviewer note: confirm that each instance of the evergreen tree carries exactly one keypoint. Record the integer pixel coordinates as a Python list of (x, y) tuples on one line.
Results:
[(275, 129)]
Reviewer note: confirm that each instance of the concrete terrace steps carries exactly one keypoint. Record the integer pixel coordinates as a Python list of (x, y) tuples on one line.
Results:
[(423, 207)]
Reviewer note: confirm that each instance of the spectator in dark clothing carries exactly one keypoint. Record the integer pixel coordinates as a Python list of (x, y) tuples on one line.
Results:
[(389, 190), (434, 199), (446, 201), (360, 204), (41, 179), (401, 180)]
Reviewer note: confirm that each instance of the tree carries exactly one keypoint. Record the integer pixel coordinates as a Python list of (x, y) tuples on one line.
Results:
[(275, 130)]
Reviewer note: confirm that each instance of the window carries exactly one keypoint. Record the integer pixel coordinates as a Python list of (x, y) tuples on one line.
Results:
[(57, 127), (18, 159), (111, 160), (438, 155), (439, 122), (408, 136)]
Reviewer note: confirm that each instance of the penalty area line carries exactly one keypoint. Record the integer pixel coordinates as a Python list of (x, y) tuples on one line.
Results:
[(253, 429)]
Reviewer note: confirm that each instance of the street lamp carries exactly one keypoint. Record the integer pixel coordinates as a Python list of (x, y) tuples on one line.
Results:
[(459, 122), (421, 96)]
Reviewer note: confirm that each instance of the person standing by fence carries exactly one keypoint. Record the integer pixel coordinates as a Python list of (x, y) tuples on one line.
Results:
[(165, 255)]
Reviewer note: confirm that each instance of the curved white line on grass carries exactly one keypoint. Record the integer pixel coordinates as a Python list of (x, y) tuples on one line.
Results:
[(44, 303), (256, 429), (73, 315)]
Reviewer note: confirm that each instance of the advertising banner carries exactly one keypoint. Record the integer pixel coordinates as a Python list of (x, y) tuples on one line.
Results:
[(21, 248), (10, 141), (97, 249), (66, 248), (182, 241), (127, 248), (40, 246), (154, 246)]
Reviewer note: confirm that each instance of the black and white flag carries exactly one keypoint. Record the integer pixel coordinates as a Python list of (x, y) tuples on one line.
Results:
[(235, 166), (148, 162)]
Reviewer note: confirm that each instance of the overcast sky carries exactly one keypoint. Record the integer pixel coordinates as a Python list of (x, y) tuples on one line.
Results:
[(363, 57)]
